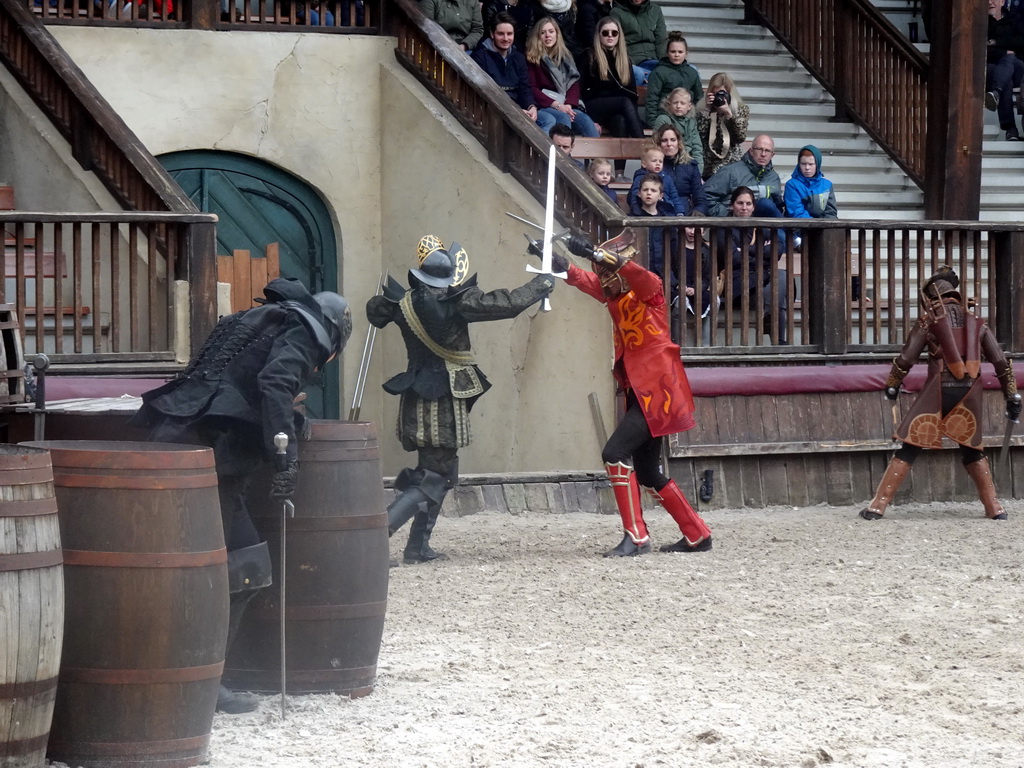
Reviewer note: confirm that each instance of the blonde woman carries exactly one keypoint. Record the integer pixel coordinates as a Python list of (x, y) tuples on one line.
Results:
[(609, 88), (722, 123), (554, 78)]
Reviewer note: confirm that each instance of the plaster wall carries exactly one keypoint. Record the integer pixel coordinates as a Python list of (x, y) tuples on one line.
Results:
[(392, 165), (36, 160)]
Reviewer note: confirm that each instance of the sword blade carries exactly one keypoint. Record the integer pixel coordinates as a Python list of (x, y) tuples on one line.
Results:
[(1004, 451)]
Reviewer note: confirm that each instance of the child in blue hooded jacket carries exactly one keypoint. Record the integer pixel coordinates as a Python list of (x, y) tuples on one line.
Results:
[(808, 194)]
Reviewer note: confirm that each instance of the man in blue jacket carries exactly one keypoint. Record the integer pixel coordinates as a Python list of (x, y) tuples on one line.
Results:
[(506, 66)]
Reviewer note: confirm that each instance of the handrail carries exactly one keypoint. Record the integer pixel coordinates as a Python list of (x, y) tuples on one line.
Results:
[(879, 80), (513, 142), (100, 140)]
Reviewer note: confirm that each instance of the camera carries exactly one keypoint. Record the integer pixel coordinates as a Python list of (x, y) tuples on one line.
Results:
[(721, 99)]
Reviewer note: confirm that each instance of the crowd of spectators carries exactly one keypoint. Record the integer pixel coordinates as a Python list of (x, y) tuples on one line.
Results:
[(575, 67)]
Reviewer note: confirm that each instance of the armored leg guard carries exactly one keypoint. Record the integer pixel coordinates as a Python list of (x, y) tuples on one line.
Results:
[(249, 571), (627, 498), (420, 486), (982, 477), (891, 481), (696, 534)]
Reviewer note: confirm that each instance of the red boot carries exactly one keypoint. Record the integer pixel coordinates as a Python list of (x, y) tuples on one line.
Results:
[(627, 498), (696, 534)]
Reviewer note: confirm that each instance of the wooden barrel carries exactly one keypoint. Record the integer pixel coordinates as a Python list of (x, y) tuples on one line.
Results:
[(146, 613), (336, 568), (31, 604)]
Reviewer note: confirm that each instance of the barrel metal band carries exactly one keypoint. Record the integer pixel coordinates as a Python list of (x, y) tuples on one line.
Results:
[(323, 612), (15, 747), (26, 561), (134, 482), (27, 688), (141, 676), (145, 559), (70, 750), (28, 507), (28, 476)]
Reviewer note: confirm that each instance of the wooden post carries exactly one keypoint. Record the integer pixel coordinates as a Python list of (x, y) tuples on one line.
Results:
[(201, 272), (1009, 325), (203, 14), (956, 87), (827, 290)]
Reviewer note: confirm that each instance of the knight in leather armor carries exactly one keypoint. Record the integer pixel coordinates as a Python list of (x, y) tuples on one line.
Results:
[(441, 381), (950, 403), (236, 394), (648, 368)]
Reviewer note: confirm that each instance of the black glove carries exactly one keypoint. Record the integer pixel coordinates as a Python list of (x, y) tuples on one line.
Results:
[(283, 484), (558, 262), (303, 426), (892, 392), (579, 246), (1013, 406)]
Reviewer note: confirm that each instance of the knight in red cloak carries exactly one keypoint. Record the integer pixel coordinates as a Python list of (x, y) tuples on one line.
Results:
[(950, 403), (648, 368)]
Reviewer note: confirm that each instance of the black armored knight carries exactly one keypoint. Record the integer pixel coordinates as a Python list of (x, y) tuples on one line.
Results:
[(442, 381), (236, 394)]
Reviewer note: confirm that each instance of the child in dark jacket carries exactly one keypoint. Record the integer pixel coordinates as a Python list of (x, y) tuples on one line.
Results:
[(650, 201), (602, 173), (673, 71), (652, 160)]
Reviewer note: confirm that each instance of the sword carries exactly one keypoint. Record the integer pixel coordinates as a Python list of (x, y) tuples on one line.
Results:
[(560, 236), (364, 363), (549, 227), (287, 510), (1004, 451)]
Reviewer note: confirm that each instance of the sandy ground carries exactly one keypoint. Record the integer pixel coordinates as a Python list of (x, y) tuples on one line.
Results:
[(807, 637)]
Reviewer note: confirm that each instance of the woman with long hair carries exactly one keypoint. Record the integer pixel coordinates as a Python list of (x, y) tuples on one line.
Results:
[(609, 88), (554, 78), (682, 169), (722, 123)]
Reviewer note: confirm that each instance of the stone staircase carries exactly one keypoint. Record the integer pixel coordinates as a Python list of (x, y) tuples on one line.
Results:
[(787, 103)]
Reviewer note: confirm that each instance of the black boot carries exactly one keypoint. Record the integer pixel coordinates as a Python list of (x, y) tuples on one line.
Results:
[(628, 548), (704, 545), (249, 570), (418, 549), (418, 487)]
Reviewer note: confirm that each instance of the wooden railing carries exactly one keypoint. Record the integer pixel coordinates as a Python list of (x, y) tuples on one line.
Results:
[(100, 288), (879, 80), (100, 141), (852, 289), (338, 16)]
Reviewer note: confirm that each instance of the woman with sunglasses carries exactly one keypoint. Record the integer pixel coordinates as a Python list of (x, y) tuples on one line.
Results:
[(609, 88)]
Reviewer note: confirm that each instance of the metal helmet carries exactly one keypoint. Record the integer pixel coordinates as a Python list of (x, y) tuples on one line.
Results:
[(944, 283), (338, 315)]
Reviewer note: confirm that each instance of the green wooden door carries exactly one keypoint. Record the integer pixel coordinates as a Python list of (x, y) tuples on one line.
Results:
[(256, 204)]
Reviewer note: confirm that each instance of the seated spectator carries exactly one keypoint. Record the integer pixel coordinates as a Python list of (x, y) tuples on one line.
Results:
[(692, 250), (679, 116), (588, 14), (750, 249), (498, 57), (672, 73), (563, 138), (601, 172), (809, 195), (609, 90), (722, 123), (754, 171), (523, 11), (643, 24), (1004, 68), (650, 201), (564, 14), (461, 19), (554, 78), (652, 160), (683, 170)]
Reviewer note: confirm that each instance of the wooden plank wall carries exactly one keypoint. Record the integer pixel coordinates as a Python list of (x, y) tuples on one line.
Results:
[(247, 274), (822, 448)]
